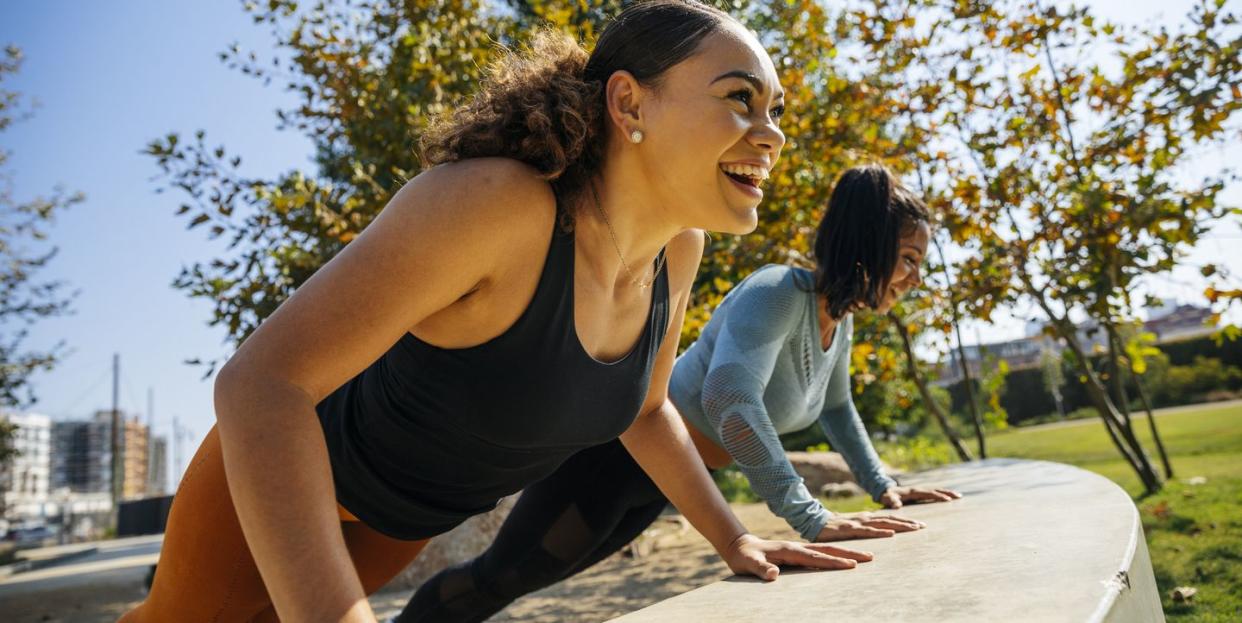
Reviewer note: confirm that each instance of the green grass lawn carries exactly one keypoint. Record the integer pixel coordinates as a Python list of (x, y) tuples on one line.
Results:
[(1194, 532)]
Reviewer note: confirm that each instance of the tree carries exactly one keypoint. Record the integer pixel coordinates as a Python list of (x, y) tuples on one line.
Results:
[(1072, 197), (368, 87), (24, 297)]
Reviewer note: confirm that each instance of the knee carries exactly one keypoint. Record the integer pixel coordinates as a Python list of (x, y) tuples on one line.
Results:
[(511, 581)]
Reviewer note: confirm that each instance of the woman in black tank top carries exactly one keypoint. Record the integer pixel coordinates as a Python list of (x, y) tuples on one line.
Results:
[(518, 301)]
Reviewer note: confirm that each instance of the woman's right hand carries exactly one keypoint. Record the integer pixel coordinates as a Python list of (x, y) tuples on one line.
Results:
[(751, 555), (866, 526)]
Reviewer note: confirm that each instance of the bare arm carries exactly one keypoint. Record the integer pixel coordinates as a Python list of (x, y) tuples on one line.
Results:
[(436, 241), (659, 442)]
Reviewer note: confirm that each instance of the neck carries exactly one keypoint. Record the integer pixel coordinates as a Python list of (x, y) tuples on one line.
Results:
[(827, 324), (630, 231)]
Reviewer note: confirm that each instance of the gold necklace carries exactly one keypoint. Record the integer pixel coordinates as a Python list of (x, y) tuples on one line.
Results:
[(612, 233)]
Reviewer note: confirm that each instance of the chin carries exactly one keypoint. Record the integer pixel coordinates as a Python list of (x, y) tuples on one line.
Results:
[(730, 222), (745, 225), (740, 220)]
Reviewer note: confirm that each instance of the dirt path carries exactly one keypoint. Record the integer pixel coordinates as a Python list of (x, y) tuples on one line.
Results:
[(681, 561)]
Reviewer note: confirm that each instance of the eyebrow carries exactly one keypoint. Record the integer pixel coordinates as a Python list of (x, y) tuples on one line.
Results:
[(749, 77)]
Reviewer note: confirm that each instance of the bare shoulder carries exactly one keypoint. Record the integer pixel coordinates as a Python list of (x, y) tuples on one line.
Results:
[(483, 195)]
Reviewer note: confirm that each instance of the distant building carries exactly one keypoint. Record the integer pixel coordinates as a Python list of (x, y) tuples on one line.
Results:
[(134, 446), (1169, 322), (82, 455), (1183, 321), (1020, 353), (25, 478), (157, 467)]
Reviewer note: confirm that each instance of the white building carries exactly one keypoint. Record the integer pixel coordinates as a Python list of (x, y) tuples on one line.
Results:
[(25, 479)]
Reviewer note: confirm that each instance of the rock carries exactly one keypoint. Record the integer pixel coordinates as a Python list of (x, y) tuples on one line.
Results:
[(458, 545), (665, 530), (822, 468), (841, 490)]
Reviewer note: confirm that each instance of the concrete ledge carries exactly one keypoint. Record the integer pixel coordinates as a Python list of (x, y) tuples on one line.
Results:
[(1030, 541), (32, 559)]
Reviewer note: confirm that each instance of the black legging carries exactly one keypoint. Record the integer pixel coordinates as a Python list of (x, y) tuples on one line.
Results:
[(594, 504)]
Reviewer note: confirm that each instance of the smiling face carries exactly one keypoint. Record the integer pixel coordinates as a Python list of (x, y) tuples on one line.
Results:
[(711, 135), (911, 249)]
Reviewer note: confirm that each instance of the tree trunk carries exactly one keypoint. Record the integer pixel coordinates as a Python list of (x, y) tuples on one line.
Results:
[(1124, 438), (1120, 397), (972, 402), (912, 368), (1104, 406), (1111, 428), (1155, 434)]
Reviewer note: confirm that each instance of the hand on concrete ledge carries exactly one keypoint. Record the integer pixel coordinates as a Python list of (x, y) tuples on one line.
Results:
[(866, 526), (751, 555), (896, 496)]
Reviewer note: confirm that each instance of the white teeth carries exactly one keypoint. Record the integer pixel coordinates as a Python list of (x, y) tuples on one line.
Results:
[(748, 170)]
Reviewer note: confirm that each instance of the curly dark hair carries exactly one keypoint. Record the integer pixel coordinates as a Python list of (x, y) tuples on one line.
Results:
[(856, 242), (544, 104)]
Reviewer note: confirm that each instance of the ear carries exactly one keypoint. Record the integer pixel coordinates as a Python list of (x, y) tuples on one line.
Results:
[(623, 96)]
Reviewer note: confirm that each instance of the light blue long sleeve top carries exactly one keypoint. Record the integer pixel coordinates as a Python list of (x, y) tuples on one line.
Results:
[(759, 370)]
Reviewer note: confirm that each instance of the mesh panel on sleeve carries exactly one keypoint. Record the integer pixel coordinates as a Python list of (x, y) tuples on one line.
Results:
[(728, 392)]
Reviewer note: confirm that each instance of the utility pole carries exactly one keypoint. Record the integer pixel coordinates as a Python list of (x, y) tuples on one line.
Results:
[(151, 486), (178, 434), (118, 472)]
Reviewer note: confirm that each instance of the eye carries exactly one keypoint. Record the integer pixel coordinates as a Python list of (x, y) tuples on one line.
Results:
[(778, 112), (742, 95)]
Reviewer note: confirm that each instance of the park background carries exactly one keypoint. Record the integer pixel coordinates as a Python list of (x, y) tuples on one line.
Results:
[(1063, 193)]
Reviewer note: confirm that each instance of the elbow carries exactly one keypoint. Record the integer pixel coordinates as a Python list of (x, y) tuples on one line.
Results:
[(227, 390), (246, 399), (242, 394)]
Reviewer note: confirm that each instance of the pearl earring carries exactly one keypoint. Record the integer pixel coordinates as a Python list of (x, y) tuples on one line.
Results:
[(636, 136)]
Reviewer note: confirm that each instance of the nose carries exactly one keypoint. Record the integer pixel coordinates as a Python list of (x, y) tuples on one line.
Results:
[(915, 277), (769, 138)]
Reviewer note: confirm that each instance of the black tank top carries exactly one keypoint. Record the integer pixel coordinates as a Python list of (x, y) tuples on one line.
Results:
[(426, 437)]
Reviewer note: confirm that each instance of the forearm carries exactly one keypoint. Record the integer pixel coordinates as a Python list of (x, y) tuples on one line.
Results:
[(660, 444), (281, 483), (845, 431), (786, 496)]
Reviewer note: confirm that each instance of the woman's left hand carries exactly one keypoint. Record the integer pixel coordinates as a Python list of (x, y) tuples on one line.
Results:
[(751, 555), (896, 496)]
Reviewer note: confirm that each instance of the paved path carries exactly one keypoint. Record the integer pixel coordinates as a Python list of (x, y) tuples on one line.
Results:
[(93, 588)]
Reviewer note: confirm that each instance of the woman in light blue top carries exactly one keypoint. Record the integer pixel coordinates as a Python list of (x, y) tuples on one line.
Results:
[(774, 358)]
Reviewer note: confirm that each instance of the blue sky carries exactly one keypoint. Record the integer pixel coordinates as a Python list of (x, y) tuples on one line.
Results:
[(110, 77)]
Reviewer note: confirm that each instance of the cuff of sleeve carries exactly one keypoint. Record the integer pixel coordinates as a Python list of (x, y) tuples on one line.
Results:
[(881, 485), (812, 528)]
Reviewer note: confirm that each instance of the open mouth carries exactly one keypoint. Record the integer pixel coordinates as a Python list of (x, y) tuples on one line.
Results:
[(745, 174)]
